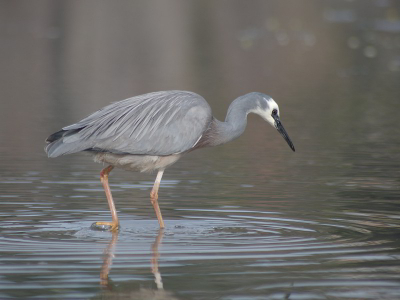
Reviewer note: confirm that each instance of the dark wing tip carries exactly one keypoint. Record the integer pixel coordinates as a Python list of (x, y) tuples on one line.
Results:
[(55, 136)]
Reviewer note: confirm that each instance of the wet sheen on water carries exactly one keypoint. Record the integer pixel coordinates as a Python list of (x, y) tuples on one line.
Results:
[(247, 220), (235, 237)]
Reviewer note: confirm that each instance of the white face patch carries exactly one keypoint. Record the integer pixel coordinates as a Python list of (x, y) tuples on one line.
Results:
[(266, 113)]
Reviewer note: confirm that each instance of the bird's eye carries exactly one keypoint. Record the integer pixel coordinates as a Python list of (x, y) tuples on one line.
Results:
[(274, 112)]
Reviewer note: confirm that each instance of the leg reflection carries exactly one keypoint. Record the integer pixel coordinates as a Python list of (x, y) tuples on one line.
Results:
[(154, 260), (107, 260), (109, 255)]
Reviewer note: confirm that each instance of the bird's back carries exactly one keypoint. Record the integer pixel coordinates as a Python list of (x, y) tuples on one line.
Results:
[(160, 123)]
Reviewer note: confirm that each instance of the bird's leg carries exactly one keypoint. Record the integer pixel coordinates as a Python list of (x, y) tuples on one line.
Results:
[(104, 180), (154, 198)]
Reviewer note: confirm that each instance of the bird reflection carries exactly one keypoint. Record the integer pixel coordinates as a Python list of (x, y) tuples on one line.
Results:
[(154, 260), (127, 291), (107, 261)]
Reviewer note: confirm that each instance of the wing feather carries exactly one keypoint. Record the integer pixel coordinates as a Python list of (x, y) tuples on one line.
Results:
[(160, 123)]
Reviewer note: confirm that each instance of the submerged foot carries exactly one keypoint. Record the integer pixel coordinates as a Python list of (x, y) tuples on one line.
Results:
[(105, 226)]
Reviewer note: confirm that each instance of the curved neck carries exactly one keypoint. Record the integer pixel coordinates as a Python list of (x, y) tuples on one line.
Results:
[(235, 121)]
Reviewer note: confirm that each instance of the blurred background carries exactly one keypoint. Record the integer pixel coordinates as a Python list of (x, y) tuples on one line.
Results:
[(333, 66), (61, 60)]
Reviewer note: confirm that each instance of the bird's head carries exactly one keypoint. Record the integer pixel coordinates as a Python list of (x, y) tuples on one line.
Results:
[(268, 109)]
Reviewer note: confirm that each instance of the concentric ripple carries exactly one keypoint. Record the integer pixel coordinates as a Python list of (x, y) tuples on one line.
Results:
[(246, 252), (217, 244)]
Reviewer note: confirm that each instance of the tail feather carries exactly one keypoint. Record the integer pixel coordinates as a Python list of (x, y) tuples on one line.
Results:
[(65, 142), (55, 136)]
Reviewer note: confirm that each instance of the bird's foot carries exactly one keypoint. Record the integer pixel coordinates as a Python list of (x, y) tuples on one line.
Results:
[(105, 226)]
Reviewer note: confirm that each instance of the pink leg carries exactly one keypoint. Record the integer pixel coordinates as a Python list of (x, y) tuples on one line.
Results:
[(104, 180), (154, 198)]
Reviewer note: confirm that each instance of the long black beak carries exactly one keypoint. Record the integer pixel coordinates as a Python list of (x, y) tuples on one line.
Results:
[(282, 131)]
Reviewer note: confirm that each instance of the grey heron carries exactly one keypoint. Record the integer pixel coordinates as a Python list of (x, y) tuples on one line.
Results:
[(150, 132)]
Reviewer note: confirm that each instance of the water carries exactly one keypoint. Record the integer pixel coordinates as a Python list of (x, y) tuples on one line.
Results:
[(248, 220)]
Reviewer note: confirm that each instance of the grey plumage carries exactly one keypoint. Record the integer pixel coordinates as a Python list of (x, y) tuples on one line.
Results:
[(152, 131), (160, 123)]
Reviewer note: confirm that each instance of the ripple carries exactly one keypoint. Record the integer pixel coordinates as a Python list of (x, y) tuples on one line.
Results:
[(247, 235), (219, 241)]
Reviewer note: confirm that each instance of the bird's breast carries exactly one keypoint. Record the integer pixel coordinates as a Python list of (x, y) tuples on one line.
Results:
[(142, 163)]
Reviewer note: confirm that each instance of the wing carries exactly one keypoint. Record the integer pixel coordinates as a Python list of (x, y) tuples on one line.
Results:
[(160, 123)]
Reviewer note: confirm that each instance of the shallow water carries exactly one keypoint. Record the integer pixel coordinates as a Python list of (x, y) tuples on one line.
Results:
[(229, 235), (247, 220)]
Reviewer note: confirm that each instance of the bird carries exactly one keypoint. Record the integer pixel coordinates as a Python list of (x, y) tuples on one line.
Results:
[(150, 132)]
